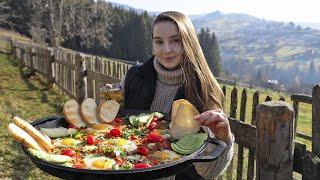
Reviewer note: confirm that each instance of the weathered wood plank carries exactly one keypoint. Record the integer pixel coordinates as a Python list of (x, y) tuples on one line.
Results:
[(80, 74), (316, 120), (251, 162), (245, 134), (243, 109), (275, 121), (299, 155), (233, 114), (295, 105), (302, 98)]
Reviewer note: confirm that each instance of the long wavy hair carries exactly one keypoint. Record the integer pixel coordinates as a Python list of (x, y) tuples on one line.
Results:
[(201, 87)]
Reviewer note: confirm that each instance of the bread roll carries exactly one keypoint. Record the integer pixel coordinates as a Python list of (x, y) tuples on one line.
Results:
[(108, 110), (88, 111), (33, 132), (24, 138), (71, 111), (183, 122)]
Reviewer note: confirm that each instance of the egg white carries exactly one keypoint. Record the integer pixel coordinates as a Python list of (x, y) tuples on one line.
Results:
[(127, 145), (101, 162)]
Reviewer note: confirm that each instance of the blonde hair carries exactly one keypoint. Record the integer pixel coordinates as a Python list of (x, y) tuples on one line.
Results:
[(201, 87)]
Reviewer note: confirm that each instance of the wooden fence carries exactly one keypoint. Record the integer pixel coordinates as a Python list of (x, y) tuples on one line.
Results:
[(80, 76), (77, 75)]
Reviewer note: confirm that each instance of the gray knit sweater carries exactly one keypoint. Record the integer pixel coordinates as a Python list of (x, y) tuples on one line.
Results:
[(167, 85)]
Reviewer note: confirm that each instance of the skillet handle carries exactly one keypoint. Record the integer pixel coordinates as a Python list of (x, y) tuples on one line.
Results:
[(215, 153), (40, 121)]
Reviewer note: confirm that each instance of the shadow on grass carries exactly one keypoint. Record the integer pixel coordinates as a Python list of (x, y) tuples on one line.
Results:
[(27, 75), (21, 164)]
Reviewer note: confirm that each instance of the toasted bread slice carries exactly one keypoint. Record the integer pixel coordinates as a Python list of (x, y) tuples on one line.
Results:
[(71, 111), (108, 110), (88, 111), (21, 136), (174, 109), (184, 123), (33, 132)]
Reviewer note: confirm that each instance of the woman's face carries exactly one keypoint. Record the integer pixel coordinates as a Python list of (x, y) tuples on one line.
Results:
[(167, 45)]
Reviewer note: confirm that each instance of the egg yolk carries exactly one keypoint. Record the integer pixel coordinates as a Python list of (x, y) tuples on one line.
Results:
[(121, 142), (67, 141), (100, 126), (102, 164)]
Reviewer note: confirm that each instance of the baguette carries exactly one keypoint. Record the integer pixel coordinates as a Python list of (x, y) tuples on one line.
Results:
[(107, 111), (71, 111), (88, 111), (24, 138), (33, 132)]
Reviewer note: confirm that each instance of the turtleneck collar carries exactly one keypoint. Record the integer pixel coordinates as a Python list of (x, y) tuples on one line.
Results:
[(168, 76)]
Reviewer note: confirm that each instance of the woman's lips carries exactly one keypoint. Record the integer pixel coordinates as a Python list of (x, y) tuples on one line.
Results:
[(168, 59)]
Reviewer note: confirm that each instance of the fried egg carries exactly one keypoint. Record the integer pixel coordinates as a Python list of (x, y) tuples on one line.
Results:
[(128, 145), (101, 162), (66, 142), (100, 128), (166, 156)]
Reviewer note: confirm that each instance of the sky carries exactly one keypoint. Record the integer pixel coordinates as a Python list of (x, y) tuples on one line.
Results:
[(277, 10)]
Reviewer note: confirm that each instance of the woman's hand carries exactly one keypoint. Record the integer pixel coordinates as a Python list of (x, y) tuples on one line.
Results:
[(218, 122)]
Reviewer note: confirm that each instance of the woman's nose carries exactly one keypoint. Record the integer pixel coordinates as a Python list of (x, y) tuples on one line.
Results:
[(168, 47)]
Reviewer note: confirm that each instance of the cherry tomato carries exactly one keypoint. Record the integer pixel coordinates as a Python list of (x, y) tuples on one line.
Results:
[(68, 152), (90, 139), (154, 119), (72, 126), (152, 126), (154, 138), (115, 132), (141, 165), (117, 120), (143, 150)]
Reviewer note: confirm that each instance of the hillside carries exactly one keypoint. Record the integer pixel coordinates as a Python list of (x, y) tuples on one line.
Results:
[(261, 41)]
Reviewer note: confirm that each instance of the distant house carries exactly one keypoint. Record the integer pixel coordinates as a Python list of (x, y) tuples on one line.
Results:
[(272, 84)]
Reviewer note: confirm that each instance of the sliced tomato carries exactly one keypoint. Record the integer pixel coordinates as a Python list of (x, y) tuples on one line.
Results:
[(115, 132), (90, 139), (143, 150), (68, 152), (141, 166), (154, 119), (80, 165), (154, 138)]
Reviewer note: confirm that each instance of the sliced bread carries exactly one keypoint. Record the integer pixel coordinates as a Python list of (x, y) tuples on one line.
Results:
[(108, 110), (88, 111), (33, 132), (71, 111), (21, 136)]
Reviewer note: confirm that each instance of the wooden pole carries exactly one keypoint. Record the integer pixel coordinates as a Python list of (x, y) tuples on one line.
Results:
[(275, 125), (81, 83)]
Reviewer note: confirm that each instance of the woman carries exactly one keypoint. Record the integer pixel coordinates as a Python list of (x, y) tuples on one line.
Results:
[(178, 70)]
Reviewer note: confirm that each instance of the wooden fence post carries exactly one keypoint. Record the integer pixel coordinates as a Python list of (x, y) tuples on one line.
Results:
[(243, 109), (316, 120), (275, 120), (255, 103), (48, 58), (233, 114), (81, 84)]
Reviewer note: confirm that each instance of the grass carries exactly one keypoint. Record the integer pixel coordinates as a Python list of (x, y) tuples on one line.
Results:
[(27, 97)]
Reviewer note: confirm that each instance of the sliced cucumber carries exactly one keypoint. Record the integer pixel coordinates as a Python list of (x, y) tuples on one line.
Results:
[(55, 158), (58, 132), (189, 144)]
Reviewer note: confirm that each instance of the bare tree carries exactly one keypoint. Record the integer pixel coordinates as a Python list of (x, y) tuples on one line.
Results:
[(55, 9)]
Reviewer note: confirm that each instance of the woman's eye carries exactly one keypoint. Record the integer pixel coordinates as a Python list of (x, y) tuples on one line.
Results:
[(176, 40), (159, 42)]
